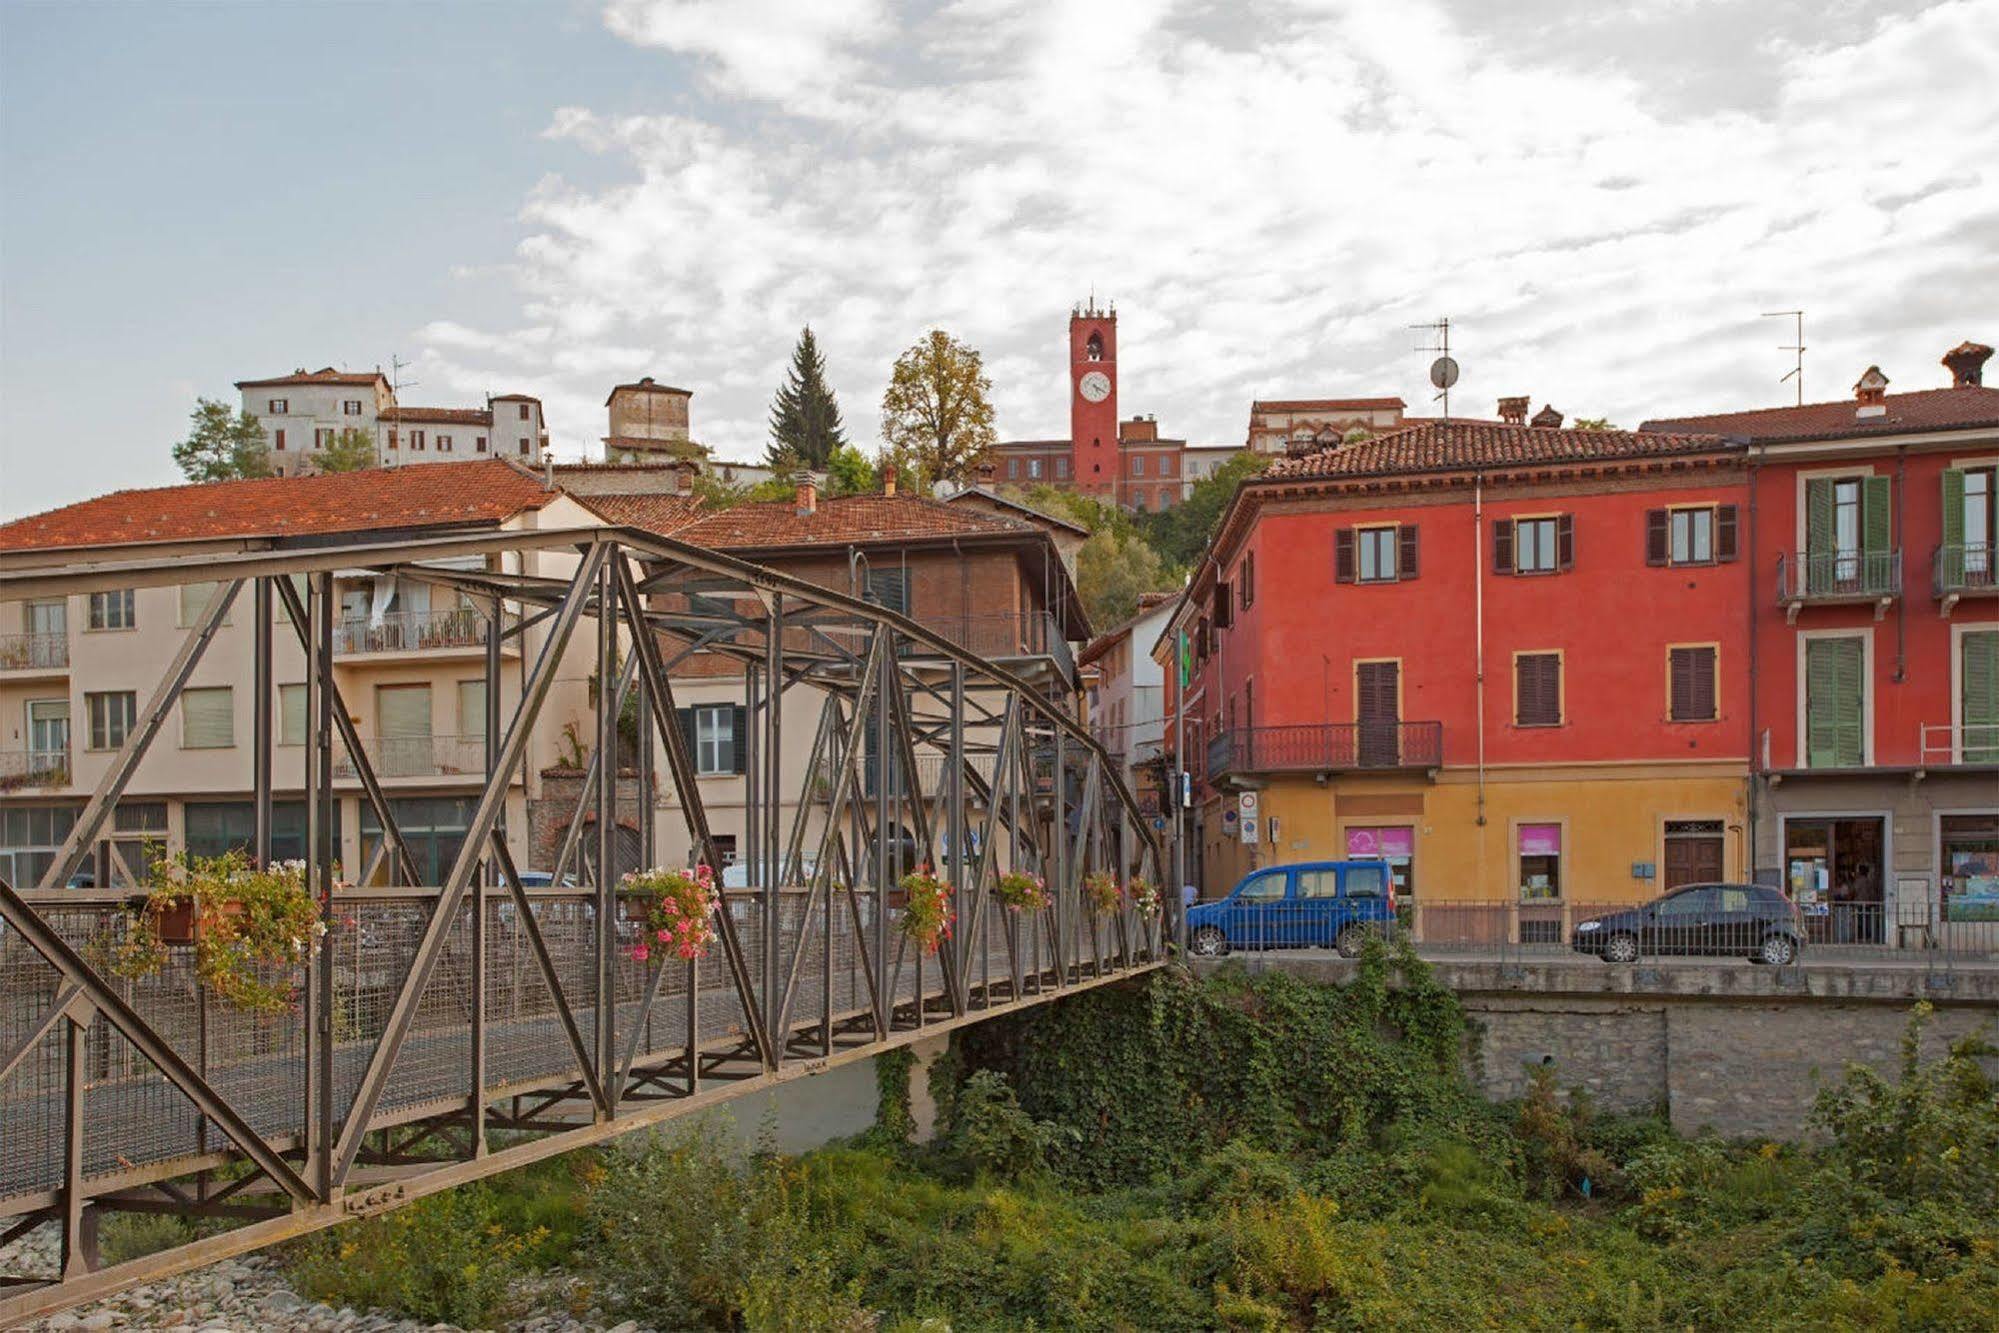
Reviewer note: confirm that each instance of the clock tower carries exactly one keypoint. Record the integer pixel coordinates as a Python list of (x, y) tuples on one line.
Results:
[(1093, 419)]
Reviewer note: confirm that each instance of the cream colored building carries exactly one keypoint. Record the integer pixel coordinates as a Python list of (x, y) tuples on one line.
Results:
[(304, 412)]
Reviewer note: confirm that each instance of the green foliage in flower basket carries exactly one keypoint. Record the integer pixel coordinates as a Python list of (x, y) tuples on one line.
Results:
[(927, 916), (678, 911), (1144, 895), (1022, 892), (251, 928), (1102, 893)]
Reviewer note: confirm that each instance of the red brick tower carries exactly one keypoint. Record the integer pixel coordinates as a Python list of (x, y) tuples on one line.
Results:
[(1093, 419)]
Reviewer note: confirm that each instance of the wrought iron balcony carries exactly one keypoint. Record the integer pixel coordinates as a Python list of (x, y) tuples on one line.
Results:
[(34, 652), (1965, 743), (416, 757), (1000, 637), (33, 768), (1323, 747), (1831, 577), (1961, 571), (412, 631)]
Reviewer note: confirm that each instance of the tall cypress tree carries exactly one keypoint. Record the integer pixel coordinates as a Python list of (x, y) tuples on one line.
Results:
[(805, 417)]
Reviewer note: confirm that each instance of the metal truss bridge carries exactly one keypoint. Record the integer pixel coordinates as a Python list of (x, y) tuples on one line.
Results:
[(450, 1031)]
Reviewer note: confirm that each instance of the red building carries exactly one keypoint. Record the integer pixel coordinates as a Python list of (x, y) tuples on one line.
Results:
[(1875, 614), (1506, 658)]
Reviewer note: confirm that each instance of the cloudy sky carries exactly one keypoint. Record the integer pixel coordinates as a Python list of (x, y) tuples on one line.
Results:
[(549, 197)]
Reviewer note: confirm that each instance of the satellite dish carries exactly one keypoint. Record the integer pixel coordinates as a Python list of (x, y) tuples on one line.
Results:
[(1443, 372)]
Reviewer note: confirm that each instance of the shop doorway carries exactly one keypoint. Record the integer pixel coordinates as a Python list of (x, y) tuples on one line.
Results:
[(1834, 871), (1693, 852)]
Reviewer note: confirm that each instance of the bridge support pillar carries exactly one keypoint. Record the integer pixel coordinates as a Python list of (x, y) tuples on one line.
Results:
[(922, 1106)]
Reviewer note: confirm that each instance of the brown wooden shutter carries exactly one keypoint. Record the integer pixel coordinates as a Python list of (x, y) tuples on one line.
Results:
[(1343, 556), (1537, 689), (1224, 605), (1565, 541), (1724, 532), (1502, 546), (1405, 558), (1656, 545), (1692, 685)]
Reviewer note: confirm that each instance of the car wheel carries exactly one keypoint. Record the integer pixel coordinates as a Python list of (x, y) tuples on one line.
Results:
[(1778, 950), (1352, 940), (1621, 949), (1208, 942)]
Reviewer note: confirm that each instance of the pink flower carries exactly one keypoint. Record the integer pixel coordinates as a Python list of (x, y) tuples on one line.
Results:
[(665, 936), (641, 953)]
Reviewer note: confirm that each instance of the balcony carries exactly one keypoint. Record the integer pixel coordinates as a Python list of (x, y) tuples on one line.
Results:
[(1003, 637), (1326, 747), (1968, 743), (1961, 571), (26, 654), (1838, 577), (22, 769), (412, 632), (417, 757)]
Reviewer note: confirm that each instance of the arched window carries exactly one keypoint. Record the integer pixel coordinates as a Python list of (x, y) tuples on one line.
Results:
[(1094, 348)]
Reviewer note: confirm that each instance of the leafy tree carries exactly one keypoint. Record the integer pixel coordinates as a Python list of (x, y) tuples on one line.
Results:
[(937, 415), (1112, 570), (222, 444), (1593, 423), (851, 472), (352, 449), (805, 425), (1094, 514), (1181, 533)]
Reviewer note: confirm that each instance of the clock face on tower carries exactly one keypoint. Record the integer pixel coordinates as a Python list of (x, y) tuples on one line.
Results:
[(1095, 386)]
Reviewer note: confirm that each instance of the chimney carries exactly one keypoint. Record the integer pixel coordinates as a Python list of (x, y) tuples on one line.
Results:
[(1966, 363), (1548, 418), (1871, 392), (808, 497), (987, 471), (547, 473), (1513, 411), (683, 480), (888, 477)]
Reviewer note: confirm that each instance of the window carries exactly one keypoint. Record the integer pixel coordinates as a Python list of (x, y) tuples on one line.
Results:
[(291, 714), (112, 714), (1318, 884), (215, 828), (472, 709), (416, 439), (194, 600), (30, 837), (1013, 467), (1970, 527), (1248, 580), (1033, 467), (1534, 545), (279, 442), (1970, 846), (48, 620), (207, 718), (1138, 465), (402, 720), (713, 733), (113, 610), (479, 444), (1538, 849), (1848, 534), (1978, 696), (48, 737), (1690, 684), (1693, 535), (889, 588), (1267, 887), (1537, 689), (524, 412), (444, 444), (1395, 848), (433, 826), (1367, 881), (1374, 555), (279, 406), (351, 407), (525, 447), (1166, 465), (1835, 702), (1061, 467)]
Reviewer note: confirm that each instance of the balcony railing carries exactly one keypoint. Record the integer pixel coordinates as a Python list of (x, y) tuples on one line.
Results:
[(1326, 747), (412, 631), (1966, 743), (417, 757), (1965, 571), (996, 637), (33, 652), (1838, 576), (33, 768)]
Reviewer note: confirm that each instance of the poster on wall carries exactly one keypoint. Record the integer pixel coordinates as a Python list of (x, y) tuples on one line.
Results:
[(1380, 844), (1975, 892)]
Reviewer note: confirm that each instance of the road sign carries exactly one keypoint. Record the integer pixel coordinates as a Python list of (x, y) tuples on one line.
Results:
[(1247, 829), (1248, 803)]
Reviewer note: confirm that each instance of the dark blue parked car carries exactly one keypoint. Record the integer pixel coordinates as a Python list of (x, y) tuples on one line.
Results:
[(1314, 905)]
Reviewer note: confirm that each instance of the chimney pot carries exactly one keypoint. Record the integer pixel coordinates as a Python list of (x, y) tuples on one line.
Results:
[(1513, 411), (1871, 390), (888, 477), (683, 480), (1966, 362), (1548, 418), (808, 497)]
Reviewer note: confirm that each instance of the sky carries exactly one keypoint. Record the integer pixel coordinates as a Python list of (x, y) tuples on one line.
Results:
[(549, 196)]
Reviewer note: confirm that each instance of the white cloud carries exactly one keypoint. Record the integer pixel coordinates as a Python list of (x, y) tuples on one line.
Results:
[(1271, 200)]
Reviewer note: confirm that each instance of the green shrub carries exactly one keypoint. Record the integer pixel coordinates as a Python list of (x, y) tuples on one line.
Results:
[(445, 1257), (991, 1134), (122, 1236)]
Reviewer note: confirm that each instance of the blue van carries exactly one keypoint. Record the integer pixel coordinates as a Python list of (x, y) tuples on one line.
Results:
[(1313, 905)]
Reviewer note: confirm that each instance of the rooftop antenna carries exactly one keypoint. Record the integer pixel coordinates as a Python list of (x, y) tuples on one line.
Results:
[(396, 387), (1796, 372), (1444, 370)]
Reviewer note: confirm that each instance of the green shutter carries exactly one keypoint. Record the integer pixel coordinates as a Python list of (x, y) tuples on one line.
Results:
[(1951, 575), (1980, 685), (1818, 517), (1876, 534), (1835, 706)]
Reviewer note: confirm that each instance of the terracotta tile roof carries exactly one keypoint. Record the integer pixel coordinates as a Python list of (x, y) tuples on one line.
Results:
[(1460, 445), (646, 385), (515, 398), (853, 520), (325, 375), (1908, 413), (1040, 516), (1326, 404), (445, 416), (483, 491), (665, 514)]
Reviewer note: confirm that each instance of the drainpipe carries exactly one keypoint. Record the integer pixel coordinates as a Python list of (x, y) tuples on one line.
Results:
[(1901, 591), (1755, 782), (1478, 621)]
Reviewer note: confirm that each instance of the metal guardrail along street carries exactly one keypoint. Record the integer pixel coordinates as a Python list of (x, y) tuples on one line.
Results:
[(430, 1015), (1326, 746)]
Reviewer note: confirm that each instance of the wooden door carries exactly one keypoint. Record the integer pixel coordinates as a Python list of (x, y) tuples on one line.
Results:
[(1380, 713)]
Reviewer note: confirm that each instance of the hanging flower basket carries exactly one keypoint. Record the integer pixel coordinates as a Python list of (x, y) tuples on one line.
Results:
[(1102, 893), (927, 915), (250, 928), (675, 911), (1144, 895), (1022, 892)]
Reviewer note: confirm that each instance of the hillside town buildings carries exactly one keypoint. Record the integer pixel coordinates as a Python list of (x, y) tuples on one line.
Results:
[(304, 412)]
